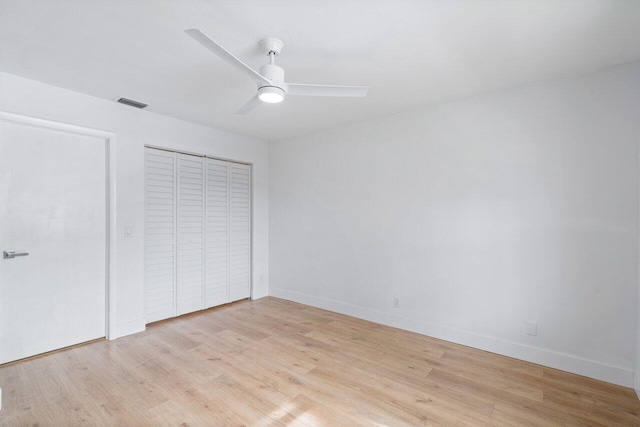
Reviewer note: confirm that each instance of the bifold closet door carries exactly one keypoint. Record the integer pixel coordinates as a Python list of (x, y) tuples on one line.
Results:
[(190, 235), (240, 232), (197, 233), (160, 237), (217, 213)]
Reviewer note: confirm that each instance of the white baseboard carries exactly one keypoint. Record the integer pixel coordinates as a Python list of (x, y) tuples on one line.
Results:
[(261, 294), (636, 383), (552, 359), (127, 328)]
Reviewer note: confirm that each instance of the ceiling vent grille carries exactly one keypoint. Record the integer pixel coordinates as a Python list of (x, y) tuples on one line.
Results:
[(132, 103)]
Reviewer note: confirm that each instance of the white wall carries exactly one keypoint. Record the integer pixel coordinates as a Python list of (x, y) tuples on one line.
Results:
[(133, 129), (479, 215)]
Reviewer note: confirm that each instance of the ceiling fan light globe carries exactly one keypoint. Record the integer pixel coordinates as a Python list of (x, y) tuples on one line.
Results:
[(271, 98), (271, 94)]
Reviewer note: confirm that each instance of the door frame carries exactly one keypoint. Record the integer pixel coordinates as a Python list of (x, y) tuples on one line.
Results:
[(109, 141)]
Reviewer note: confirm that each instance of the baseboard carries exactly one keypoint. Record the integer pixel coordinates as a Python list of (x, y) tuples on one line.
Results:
[(260, 294), (540, 356), (127, 328), (636, 383)]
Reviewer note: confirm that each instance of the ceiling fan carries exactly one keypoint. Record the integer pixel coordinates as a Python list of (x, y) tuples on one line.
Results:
[(271, 85)]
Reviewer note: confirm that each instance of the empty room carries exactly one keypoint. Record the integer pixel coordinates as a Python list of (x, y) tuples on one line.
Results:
[(320, 213)]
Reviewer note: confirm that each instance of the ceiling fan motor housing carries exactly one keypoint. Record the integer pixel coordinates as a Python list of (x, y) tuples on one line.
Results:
[(273, 73)]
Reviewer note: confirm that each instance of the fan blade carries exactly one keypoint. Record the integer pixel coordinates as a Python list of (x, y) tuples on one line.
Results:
[(326, 90), (225, 55), (249, 106)]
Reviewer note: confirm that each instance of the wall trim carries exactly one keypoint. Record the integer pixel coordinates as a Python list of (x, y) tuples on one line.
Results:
[(565, 362), (636, 383), (128, 328)]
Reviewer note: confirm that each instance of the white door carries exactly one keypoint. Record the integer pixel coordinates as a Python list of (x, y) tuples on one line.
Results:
[(53, 206), (190, 235), (217, 226), (240, 235), (160, 235), (197, 233)]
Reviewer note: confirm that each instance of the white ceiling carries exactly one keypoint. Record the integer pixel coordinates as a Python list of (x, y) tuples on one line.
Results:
[(411, 53)]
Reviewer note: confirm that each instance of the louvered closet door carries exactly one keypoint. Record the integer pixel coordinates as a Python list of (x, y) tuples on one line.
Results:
[(240, 232), (160, 224), (217, 226), (190, 232), (197, 233)]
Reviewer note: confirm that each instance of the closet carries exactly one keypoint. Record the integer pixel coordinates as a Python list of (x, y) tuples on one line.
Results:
[(197, 233)]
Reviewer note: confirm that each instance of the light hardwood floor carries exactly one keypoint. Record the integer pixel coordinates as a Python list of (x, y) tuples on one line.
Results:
[(274, 362)]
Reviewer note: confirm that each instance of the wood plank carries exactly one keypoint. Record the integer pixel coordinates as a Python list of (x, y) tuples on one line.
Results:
[(274, 362)]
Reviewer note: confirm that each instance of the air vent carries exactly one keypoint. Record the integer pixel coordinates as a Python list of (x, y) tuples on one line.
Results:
[(132, 103)]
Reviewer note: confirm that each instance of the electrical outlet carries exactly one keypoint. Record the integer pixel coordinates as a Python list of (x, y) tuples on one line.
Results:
[(532, 328), (396, 302)]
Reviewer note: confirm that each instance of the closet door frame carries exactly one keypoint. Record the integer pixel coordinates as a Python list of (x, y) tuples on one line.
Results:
[(251, 223)]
